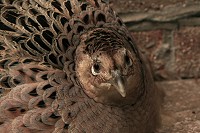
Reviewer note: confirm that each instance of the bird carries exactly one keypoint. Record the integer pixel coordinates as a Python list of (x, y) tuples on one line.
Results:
[(72, 66)]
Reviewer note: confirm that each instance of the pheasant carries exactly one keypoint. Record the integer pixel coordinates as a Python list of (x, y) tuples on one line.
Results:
[(71, 66)]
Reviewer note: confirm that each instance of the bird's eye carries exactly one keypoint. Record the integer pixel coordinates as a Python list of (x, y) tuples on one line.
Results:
[(95, 69), (128, 60)]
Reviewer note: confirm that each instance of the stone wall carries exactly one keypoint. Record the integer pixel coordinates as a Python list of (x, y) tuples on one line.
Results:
[(169, 34)]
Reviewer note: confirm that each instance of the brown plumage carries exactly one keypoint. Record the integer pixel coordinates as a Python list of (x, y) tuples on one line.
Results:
[(70, 66)]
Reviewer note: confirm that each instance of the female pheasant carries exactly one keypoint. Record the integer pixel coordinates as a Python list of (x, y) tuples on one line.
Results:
[(70, 66)]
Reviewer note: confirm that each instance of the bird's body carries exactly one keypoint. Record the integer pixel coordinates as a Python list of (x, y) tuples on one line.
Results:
[(70, 66)]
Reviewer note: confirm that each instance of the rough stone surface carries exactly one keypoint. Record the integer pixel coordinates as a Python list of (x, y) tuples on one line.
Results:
[(181, 108), (187, 52), (146, 5), (166, 15), (157, 50), (173, 54)]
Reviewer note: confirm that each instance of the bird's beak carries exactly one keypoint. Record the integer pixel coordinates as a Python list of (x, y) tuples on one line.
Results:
[(118, 82)]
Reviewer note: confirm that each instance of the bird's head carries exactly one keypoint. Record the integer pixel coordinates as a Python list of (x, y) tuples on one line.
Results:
[(107, 68)]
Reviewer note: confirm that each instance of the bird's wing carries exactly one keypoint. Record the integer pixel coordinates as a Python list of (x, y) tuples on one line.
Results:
[(48, 31), (31, 100), (38, 40)]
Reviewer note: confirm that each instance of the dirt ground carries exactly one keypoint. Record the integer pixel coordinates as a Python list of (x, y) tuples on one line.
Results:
[(181, 107)]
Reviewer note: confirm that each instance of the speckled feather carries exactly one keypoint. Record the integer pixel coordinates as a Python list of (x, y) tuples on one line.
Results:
[(38, 55)]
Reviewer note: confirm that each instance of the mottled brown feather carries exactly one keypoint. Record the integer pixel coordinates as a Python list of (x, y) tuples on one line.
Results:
[(42, 46)]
